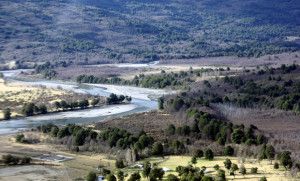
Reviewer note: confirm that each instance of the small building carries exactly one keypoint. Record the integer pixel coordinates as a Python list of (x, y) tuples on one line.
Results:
[(100, 178)]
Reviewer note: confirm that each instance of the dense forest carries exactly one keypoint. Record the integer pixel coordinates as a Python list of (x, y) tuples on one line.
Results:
[(88, 32)]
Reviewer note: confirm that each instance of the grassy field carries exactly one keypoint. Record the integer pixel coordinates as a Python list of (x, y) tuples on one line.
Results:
[(265, 168)]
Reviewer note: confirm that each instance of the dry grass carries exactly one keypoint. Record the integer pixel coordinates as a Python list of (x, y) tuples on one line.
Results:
[(15, 95), (265, 168)]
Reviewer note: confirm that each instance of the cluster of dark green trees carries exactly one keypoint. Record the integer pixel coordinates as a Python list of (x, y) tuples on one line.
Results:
[(207, 126), (31, 109), (115, 99), (113, 137), (249, 91), (161, 80), (80, 104), (7, 114), (279, 93), (47, 70), (78, 133)]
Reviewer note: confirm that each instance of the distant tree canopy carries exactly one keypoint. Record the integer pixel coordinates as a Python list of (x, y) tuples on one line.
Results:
[(162, 80), (6, 114), (114, 99)]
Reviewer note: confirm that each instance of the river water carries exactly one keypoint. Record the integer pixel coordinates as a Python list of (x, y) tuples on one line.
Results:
[(143, 100)]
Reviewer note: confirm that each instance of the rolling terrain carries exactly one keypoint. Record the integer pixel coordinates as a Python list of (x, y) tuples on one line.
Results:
[(89, 32)]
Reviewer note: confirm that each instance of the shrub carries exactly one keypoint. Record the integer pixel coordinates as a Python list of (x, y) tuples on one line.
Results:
[(198, 153), (286, 160), (54, 131), (20, 138), (146, 169), (253, 170), (227, 163), (243, 170), (194, 160), (156, 174), (228, 151), (111, 177), (120, 175), (217, 167), (209, 154), (134, 177), (263, 179), (25, 160), (91, 176), (7, 114), (14, 160), (157, 149), (276, 165), (119, 164), (221, 175), (207, 178), (172, 177)]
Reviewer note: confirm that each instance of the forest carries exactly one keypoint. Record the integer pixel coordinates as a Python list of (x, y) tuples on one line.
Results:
[(175, 30)]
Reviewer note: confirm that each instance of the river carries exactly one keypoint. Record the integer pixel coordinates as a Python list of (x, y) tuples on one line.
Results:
[(143, 100)]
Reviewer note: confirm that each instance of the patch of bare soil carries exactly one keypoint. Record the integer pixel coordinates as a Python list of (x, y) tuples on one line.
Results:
[(154, 123)]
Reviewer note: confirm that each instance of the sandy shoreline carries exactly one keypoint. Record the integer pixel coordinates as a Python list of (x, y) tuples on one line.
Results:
[(135, 92), (87, 113)]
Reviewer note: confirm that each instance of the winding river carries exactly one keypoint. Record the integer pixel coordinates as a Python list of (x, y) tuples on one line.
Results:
[(143, 100)]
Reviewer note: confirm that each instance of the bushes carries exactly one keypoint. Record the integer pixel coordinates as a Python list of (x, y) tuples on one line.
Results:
[(82, 104), (114, 99), (20, 138), (31, 109), (285, 159), (111, 177), (14, 160), (263, 178), (209, 154), (79, 138), (91, 176), (119, 164), (237, 136), (157, 149), (228, 151), (276, 165), (6, 114), (198, 153), (156, 174), (172, 177), (134, 177), (216, 130), (243, 170), (253, 170)]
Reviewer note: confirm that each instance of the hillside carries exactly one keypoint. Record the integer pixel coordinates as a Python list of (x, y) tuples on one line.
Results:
[(100, 31)]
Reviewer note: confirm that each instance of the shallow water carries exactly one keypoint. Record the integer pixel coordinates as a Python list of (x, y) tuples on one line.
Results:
[(87, 116)]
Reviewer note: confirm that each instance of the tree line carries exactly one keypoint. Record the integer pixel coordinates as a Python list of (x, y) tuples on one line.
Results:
[(162, 80)]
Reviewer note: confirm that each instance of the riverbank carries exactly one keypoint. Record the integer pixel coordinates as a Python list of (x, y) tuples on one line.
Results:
[(143, 100), (135, 92)]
